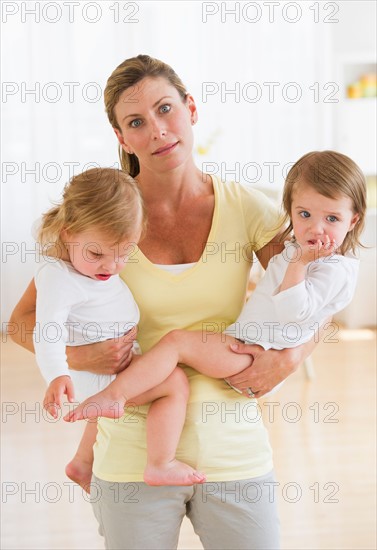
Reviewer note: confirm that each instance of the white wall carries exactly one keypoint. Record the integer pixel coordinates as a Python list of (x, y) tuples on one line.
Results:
[(210, 48), (357, 29)]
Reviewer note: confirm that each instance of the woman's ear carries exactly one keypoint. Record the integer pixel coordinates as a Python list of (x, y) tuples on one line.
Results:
[(122, 143), (192, 108)]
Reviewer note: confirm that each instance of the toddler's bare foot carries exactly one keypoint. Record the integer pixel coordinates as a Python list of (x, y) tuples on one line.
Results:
[(100, 404), (172, 473), (80, 472)]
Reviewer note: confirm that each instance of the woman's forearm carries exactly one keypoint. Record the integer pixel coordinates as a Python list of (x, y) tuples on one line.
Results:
[(294, 357), (22, 320), (273, 366), (20, 329), (106, 357), (291, 358)]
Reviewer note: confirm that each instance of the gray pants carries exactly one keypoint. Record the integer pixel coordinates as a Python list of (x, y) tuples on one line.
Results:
[(225, 515)]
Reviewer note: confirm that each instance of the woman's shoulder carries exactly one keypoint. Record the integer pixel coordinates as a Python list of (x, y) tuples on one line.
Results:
[(236, 191)]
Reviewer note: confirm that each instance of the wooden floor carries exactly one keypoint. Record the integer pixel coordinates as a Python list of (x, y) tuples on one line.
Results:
[(322, 431)]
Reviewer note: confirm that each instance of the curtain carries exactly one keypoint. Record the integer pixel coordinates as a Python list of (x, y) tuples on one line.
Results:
[(259, 71)]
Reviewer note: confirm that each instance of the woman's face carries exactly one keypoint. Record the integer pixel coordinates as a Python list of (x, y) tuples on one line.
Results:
[(156, 124)]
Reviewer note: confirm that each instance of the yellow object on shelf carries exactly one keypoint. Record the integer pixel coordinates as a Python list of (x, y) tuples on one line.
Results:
[(366, 86), (354, 90)]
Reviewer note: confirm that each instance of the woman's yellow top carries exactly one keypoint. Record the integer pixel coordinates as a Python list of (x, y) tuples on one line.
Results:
[(223, 436)]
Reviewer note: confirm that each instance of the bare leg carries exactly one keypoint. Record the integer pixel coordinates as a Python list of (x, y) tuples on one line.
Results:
[(80, 467), (207, 353), (165, 421)]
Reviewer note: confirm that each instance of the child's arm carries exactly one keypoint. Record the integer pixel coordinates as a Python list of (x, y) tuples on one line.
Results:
[(55, 297), (296, 270), (53, 397), (328, 288), (107, 357)]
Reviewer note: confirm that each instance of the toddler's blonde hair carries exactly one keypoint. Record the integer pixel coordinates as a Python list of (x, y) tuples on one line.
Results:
[(102, 199)]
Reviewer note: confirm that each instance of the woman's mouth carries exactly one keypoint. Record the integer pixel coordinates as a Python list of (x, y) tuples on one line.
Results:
[(165, 150)]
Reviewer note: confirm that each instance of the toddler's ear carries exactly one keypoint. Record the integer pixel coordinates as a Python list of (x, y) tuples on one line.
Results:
[(64, 235), (354, 221)]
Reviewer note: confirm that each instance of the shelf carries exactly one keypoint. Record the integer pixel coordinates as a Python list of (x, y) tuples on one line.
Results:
[(354, 118)]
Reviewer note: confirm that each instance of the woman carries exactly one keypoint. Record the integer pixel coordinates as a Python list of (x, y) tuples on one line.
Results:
[(190, 271)]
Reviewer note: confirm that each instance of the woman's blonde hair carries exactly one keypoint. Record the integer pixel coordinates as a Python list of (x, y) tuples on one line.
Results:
[(128, 74), (103, 199), (331, 174)]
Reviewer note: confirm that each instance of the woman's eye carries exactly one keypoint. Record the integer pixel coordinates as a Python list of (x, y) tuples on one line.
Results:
[(165, 108), (135, 123), (332, 218), (305, 214), (95, 254)]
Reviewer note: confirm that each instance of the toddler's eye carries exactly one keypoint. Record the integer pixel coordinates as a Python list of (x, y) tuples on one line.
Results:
[(305, 214), (332, 218)]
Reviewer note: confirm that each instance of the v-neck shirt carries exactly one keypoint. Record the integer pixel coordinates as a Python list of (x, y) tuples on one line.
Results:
[(206, 295)]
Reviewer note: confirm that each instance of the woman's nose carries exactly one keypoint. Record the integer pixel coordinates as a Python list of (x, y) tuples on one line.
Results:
[(158, 130)]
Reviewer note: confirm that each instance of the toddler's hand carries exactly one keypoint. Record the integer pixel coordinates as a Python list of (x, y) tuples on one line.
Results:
[(321, 248), (62, 385)]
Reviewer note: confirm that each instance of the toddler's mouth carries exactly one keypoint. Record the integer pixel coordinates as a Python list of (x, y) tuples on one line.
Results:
[(102, 276)]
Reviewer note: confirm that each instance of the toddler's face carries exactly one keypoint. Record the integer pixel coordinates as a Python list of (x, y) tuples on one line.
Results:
[(96, 257), (314, 216)]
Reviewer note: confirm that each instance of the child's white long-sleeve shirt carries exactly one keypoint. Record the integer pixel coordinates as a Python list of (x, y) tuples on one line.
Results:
[(279, 320), (75, 310)]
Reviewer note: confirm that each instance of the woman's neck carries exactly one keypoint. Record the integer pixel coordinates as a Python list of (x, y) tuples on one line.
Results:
[(179, 208), (173, 187)]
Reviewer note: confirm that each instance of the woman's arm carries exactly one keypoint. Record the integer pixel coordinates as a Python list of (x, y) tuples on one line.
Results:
[(272, 366), (22, 320), (269, 367), (108, 357), (275, 246)]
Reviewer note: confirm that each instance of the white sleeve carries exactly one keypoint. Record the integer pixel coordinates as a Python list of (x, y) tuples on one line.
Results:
[(327, 288), (56, 294)]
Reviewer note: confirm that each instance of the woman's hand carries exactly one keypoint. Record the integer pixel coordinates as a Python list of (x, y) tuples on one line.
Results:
[(107, 357), (269, 368)]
